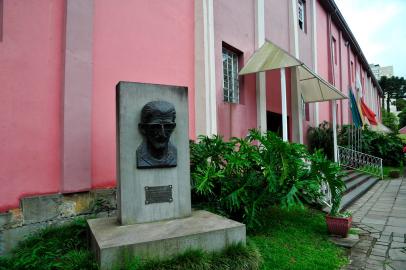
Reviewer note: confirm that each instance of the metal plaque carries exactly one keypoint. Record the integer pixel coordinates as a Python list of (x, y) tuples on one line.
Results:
[(158, 194)]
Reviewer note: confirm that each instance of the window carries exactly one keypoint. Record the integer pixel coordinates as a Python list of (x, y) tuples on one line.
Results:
[(305, 110), (334, 51), (231, 85), (352, 71), (301, 14)]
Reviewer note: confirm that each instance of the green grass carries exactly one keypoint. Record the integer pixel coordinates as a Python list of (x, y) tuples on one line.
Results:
[(61, 247), (236, 257), (403, 138), (387, 169), (295, 239)]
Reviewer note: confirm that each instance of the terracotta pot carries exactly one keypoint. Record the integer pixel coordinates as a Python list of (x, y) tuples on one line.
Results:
[(339, 225)]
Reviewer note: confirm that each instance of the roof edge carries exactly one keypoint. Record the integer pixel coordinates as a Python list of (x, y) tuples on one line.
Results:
[(338, 18)]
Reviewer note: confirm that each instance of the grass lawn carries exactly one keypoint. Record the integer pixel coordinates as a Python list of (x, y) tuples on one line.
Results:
[(297, 240), (387, 169), (290, 240)]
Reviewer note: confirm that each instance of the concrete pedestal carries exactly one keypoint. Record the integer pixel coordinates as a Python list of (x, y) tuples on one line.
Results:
[(203, 230)]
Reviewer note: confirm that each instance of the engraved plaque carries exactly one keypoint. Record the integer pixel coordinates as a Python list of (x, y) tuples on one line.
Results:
[(158, 194)]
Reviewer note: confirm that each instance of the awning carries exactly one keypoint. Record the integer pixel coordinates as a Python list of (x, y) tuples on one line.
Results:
[(313, 87), (269, 57)]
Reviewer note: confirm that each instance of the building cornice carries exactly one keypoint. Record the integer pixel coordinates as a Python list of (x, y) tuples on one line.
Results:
[(339, 20)]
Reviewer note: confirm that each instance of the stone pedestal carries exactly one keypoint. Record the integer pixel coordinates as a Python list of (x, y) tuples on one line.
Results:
[(153, 194), (202, 230)]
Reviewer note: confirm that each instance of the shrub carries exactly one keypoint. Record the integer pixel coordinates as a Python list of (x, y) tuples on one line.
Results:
[(394, 174), (386, 146), (390, 120), (402, 118), (242, 177), (321, 137)]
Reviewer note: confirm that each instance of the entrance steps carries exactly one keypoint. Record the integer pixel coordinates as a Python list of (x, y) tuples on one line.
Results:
[(357, 184)]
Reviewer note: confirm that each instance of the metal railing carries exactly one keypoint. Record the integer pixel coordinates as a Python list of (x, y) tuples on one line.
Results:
[(359, 161)]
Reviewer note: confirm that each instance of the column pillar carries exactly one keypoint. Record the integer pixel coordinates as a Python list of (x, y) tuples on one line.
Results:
[(77, 97), (205, 76), (314, 51), (284, 106), (261, 79), (334, 108)]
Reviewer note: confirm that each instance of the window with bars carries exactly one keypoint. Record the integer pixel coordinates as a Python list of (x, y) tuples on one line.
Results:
[(301, 14), (231, 86)]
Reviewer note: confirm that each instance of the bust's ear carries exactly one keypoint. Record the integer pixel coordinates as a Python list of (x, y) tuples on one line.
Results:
[(141, 127)]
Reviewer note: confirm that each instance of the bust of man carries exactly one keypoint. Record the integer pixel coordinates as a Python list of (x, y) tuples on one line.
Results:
[(157, 125)]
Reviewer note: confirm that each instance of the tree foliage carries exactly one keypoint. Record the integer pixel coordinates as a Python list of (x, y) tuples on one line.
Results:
[(400, 104), (402, 118), (390, 120), (393, 88)]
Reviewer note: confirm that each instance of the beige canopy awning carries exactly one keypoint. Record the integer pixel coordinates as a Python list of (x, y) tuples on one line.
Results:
[(313, 87)]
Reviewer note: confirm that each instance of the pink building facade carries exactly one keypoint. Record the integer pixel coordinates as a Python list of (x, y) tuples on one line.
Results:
[(60, 62)]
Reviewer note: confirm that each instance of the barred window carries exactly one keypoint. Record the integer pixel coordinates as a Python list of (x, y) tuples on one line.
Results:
[(230, 77), (301, 14)]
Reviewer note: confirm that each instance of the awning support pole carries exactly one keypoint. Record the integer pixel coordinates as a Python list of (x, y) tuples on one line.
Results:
[(284, 107), (335, 129)]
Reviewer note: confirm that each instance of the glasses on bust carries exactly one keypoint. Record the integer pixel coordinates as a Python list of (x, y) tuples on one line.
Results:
[(159, 126)]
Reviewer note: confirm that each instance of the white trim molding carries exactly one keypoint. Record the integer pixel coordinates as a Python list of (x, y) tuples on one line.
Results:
[(205, 67), (261, 79)]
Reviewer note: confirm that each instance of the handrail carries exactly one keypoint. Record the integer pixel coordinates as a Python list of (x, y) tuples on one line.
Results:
[(360, 161)]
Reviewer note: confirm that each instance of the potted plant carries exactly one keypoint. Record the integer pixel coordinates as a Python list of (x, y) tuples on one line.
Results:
[(331, 174), (337, 223)]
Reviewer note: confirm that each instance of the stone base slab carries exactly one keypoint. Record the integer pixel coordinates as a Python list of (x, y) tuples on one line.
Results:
[(202, 230)]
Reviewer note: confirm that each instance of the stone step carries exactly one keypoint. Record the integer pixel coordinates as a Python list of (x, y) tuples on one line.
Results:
[(351, 175), (357, 192), (355, 182)]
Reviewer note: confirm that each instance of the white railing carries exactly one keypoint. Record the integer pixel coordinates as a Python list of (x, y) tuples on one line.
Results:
[(359, 161)]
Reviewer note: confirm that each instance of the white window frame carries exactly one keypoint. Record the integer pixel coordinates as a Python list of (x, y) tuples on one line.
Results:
[(231, 84)]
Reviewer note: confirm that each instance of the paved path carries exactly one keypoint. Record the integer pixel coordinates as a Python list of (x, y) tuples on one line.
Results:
[(381, 217)]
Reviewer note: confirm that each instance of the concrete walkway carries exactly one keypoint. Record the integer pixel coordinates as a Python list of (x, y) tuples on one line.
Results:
[(381, 217)]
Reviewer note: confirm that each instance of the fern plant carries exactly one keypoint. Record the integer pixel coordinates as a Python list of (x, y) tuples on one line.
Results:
[(242, 177)]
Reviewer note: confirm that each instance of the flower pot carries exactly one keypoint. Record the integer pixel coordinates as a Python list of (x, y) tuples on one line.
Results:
[(338, 225)]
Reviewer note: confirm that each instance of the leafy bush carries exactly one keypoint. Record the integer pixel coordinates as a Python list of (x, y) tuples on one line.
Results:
[(403, 138), (402, 118), (394, 174), (242, 177), (386, 146), (390, 120), (321, 137)]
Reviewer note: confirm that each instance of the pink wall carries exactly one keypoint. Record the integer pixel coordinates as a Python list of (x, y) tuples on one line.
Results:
[(273, 91), (141, 41), (277, 23), (305, 38), (31, 81), (323, 57), (236, 29), (344, 80)]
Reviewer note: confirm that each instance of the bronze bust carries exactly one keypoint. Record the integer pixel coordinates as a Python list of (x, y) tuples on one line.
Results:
[(157, 125)]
